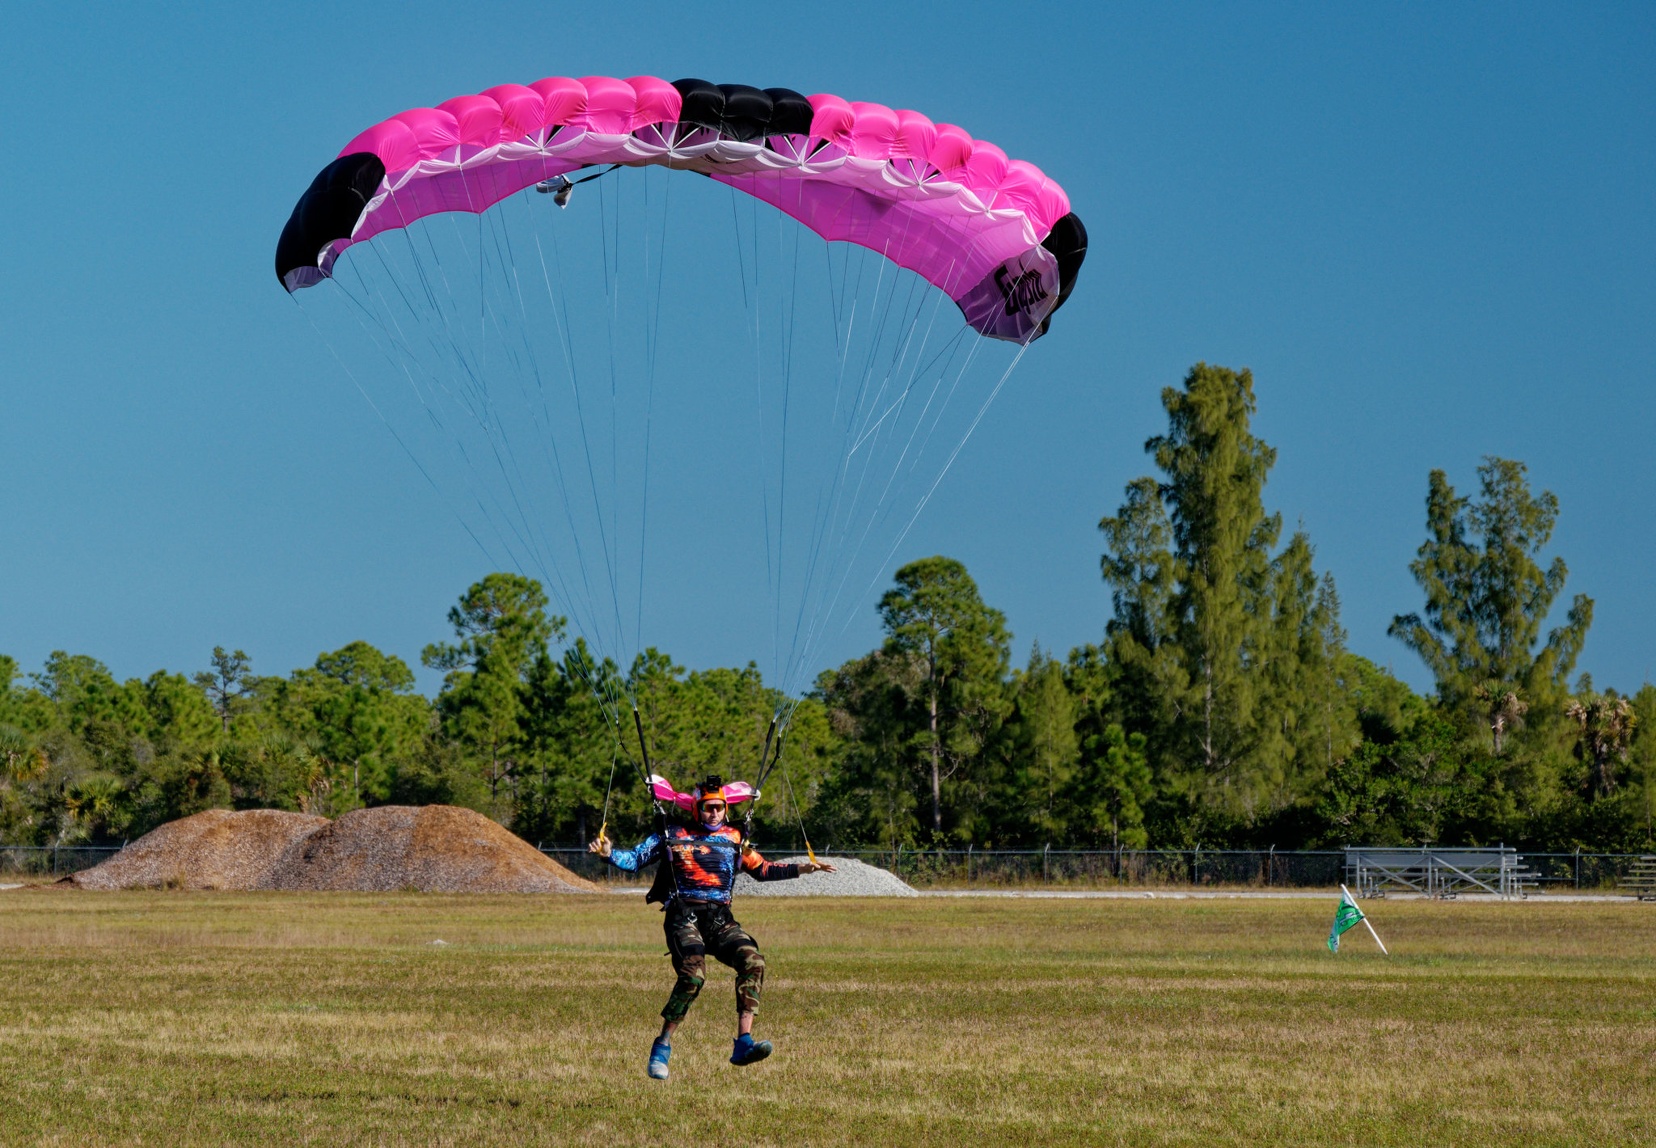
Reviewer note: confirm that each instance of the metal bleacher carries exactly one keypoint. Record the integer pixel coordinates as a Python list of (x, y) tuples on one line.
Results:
[(1441, 873), (1640, 880)]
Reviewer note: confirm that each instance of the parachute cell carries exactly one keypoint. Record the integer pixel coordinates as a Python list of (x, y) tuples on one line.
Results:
[(996, 235)]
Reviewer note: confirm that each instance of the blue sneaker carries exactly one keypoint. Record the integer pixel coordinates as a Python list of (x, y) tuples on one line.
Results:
[(749, 1051), (660, 1051)]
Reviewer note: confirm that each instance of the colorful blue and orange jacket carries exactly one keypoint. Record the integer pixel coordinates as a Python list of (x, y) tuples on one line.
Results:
[(705, 862)]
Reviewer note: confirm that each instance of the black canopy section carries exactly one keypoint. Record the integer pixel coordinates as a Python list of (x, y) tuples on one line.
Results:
[(1068, 243), (739, 112), (328, 210)]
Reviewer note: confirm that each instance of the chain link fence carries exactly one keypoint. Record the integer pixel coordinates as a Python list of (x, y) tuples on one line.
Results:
[(1058, 868), (1584, 872), (1013, 868), (1262, 869), (51, 860)]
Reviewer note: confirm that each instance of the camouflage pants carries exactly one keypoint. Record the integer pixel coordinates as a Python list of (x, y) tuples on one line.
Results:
[(694, 931)]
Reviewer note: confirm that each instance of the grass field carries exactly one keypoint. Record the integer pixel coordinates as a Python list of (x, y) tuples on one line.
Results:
[(180, 1018)]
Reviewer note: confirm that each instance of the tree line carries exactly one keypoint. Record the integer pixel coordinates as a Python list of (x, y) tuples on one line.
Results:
[(1220, 707)]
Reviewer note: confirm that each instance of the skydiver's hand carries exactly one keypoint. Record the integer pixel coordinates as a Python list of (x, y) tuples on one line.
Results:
[(601, 847), (814, 867)]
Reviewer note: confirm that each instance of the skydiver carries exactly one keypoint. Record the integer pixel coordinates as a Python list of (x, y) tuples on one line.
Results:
[(695, 895)]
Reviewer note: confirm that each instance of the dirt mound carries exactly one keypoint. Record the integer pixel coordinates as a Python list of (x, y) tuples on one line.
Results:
[(433, 848), (216, 849)]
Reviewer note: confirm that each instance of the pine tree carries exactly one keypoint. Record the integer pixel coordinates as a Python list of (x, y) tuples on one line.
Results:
[(503, 629), (1223, 651), (935, 618), (1044, 751), (1486, 600)]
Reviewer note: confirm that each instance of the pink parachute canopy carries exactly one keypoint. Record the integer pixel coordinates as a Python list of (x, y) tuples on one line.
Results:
[(996, 234)]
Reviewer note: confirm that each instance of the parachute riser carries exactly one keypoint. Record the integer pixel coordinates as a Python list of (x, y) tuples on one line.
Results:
[(776, 760), (660, 811), (777, 735), (764, 752), (758, 784)]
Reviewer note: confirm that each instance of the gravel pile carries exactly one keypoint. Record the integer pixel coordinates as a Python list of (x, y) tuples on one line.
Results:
[(433, 848), (216, 849), (850, 878)]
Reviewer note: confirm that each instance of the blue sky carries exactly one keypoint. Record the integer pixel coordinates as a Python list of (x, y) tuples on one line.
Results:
[(1428, 229)]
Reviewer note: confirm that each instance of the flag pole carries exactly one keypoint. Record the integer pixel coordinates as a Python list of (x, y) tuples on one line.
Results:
[(1366, 924)]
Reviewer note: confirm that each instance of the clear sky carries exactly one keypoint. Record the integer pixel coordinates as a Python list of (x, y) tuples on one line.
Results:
[(1428, 229)]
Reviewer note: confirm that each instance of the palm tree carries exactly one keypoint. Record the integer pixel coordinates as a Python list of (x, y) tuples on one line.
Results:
[(1503, 710), (1606, 726)]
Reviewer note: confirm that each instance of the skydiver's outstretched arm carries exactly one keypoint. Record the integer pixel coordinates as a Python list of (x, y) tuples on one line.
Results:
[(761, 870), (628, 860)]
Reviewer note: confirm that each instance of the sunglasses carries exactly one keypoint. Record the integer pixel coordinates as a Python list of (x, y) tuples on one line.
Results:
[(712, 807)]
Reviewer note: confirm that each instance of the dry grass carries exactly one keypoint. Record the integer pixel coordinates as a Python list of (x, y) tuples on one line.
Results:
[(201, 1018)]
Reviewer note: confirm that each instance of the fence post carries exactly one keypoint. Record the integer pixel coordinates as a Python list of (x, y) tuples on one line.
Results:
[(1270, 863), (1046, 874), (968, 862), (1578, 868)]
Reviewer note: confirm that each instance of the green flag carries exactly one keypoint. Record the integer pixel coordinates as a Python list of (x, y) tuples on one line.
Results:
[(1347, 916)]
